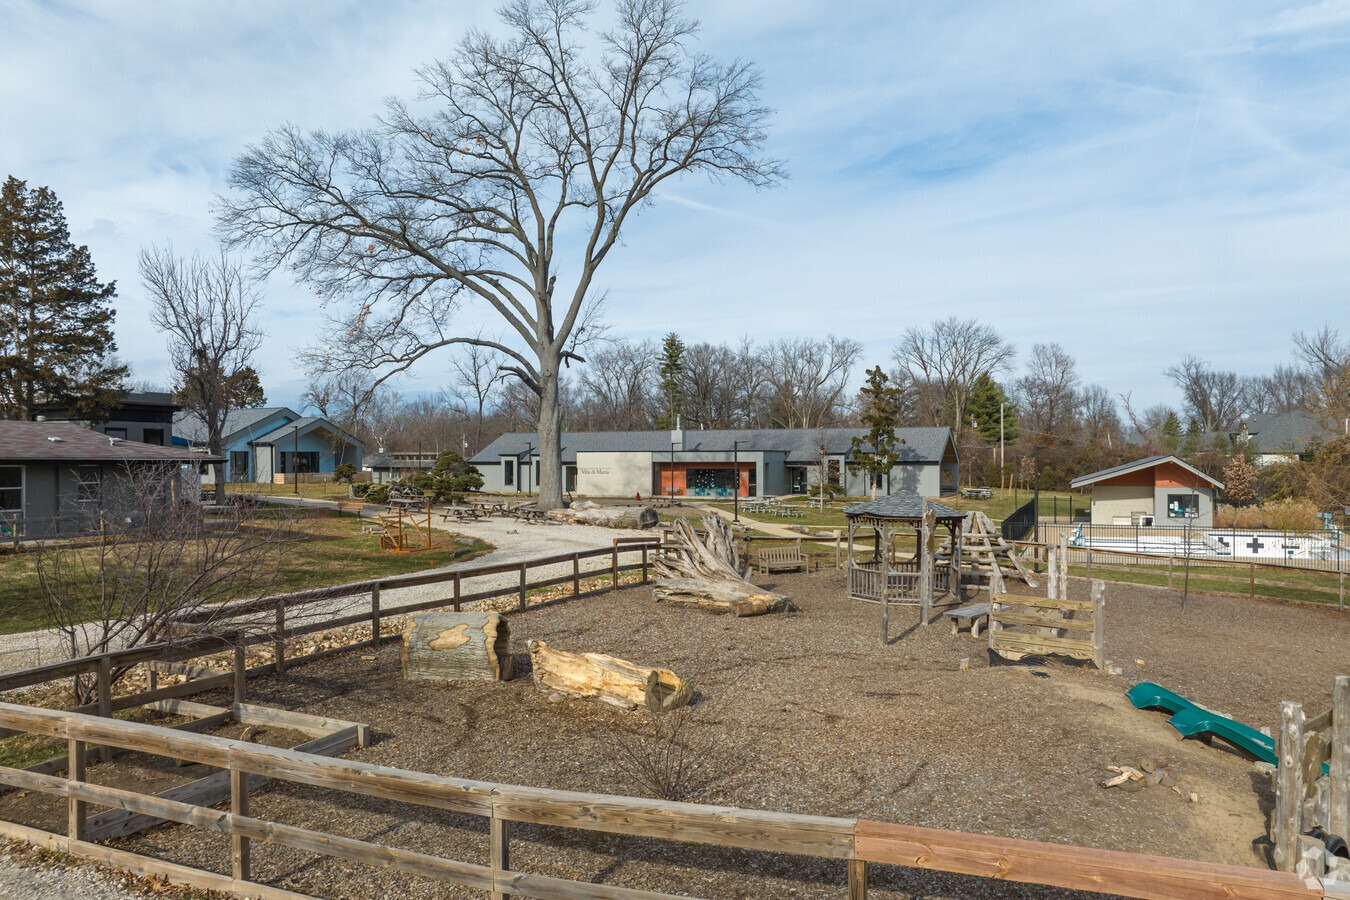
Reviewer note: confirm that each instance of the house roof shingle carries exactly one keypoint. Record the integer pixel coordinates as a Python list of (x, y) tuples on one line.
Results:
[(68, 442), (190, 426), (901, 505)]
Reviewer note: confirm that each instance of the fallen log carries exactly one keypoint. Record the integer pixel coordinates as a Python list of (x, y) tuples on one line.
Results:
[(606, 516), (739, 597), (595, 676), (456, 647)]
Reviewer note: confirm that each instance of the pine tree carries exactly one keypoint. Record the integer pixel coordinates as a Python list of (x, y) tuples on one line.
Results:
[(56, 340), (672, 373), (986, 399), (1171, 433), (877, 452), (243, 390)]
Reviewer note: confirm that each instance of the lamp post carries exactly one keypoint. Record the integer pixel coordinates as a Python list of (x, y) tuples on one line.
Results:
[(295, 459), (736, 491)]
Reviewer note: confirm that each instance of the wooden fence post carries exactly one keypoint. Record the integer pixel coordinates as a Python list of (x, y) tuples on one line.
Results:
[(524, 575), (1089, 564), (457, 591), (279, 641), (239, 845), (104, 688), (614, 566), (644, 563), (500, 850), (857, 879), (1099, 622), (1289, 786), (375, 616), (1340, 604), (1339, 819), (240, 672), (75, 828), (576, 574), (1251, 584)]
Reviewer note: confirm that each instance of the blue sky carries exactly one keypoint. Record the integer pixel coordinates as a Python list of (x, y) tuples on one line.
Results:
[(1133, 181)]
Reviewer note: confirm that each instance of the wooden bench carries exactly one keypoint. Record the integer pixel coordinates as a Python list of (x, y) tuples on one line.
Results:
[(351, 506), (977, 493), (462, 513), (969, 617), (1051, 620), (775, 559)]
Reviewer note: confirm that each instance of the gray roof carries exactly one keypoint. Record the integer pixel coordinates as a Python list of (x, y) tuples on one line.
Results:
[(1139, 465), (1291, 432), (190, 426), (303, 425), (68, 442), (801, 445), (901, 505)]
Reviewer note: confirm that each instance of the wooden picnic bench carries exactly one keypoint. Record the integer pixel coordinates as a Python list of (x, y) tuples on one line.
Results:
[(775, 559), (970, 617), (462, 513), (351, 506), (977, 493)]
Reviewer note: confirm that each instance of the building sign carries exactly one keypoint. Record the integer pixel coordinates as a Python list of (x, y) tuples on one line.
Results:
[(593, 470)]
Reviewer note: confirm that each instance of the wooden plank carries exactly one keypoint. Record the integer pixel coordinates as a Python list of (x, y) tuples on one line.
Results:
[(499, 852), (183, 689), (543, 887), (315, 726), (857, 879), (1039, 644), (1098, 595), (144, 865), (180, 668), (1043, 619), (178, 707), (723, 826), (78, 823), (1075, 868), (1043, 602), (123, 819), (240, 862), (1339, 775)]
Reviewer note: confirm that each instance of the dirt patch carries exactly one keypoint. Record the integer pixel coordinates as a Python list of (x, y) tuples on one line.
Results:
[(808, 712)]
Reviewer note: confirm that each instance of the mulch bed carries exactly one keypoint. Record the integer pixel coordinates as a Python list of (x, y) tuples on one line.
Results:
[(808, 712)]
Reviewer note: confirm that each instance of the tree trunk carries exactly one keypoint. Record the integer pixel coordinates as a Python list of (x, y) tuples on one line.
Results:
[(549, 432), (618, 682), (719, 595), (607, 516), (457, 647)]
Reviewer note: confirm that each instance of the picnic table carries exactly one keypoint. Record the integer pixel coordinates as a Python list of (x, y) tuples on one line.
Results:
[(462, 513), (977, 493)]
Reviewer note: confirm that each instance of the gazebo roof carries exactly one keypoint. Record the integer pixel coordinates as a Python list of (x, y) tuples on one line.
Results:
[(901, 505)]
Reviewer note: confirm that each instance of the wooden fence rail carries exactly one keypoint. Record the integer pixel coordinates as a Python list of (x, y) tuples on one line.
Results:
[(854, 843)]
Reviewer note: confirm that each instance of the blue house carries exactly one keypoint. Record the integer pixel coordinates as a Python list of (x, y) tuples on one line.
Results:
[(274, 443)]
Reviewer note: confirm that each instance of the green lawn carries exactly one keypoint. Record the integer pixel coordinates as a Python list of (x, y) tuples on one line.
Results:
[(328, 550)]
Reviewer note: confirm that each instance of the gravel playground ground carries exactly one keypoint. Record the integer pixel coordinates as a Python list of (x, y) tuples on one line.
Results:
[(807, 712)]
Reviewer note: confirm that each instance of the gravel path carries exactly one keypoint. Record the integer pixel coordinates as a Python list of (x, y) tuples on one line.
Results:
[(23, 882)]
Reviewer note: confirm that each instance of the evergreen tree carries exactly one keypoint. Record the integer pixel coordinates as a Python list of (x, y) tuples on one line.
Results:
[(672, 374), (56, 340), (877, 452), (986, 399), (243, 390), (1171, 433)]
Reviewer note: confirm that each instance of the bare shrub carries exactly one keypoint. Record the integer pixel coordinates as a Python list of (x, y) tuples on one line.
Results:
[(1225, 517), (152, 558), (1249, 517), (668, 757)]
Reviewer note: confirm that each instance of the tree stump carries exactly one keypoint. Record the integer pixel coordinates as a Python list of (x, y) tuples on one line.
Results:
[(739, 597), (456, 647), (705, 571), (618, 682)]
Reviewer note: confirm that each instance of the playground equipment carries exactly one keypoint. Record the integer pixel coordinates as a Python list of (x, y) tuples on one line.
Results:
[(403, 528), (1189, 720)]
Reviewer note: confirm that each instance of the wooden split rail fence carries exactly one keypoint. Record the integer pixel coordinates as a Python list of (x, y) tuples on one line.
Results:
[(856, 844)]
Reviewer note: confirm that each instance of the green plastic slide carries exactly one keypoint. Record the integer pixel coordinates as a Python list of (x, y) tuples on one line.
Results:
[(1189, 719)]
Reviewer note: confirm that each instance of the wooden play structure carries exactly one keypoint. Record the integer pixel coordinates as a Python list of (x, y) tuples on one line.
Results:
[(985, 555), (608, 679), (405, 530), (879, 576), (1311, 823), (1035, 626)]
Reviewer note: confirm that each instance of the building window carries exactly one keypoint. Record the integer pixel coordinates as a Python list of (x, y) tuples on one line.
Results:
[(508, 472), (11, 489), (1183, 506), (153, 436), (119, 433), (239, 465), (87, 483), (305, 461)]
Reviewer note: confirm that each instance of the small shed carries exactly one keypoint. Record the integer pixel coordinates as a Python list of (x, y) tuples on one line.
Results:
[(1151, 492), (874, 572)]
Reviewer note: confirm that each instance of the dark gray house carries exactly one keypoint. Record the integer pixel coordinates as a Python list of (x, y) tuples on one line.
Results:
[(757, 461), (54, 475), (142, 416)]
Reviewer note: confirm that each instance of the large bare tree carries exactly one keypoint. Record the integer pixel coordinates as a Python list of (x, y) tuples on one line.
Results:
[(806, 379), (207, 309), (504, 188), (944, 360), (1327, 356), (1048, 396), (1212, 399)]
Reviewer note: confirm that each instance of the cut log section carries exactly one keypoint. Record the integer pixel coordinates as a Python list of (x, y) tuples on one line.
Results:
[(705, 571), (595, 676), (456, 647), (588, 513)]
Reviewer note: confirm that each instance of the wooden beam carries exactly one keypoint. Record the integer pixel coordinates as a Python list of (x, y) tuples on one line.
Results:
[(1286, 824), (1339, 775), (1075, 868)]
